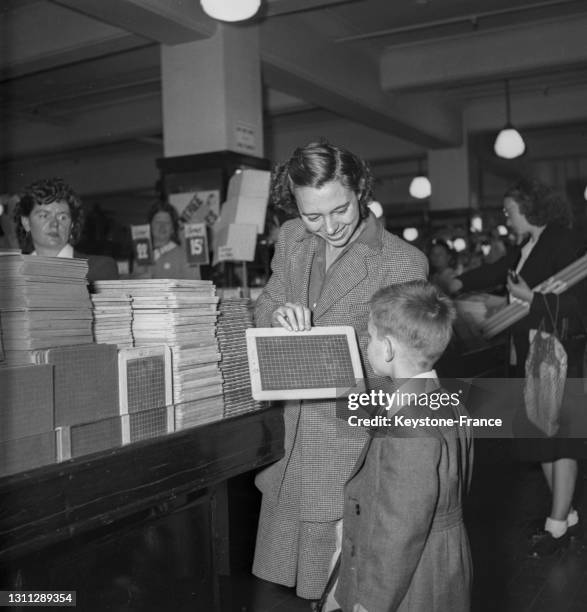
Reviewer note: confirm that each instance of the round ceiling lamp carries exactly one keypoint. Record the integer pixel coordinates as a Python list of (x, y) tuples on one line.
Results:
[(509, 144), (376, 208), (420, 187), (459, 244), (230, 10), (410, 234)]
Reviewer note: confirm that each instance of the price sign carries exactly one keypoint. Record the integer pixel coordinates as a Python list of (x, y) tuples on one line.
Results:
[(225, 253), (196, 242), (141, 239)]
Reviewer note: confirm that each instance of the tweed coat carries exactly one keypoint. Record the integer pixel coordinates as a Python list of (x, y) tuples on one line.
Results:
[(328, 446), (404, 545)]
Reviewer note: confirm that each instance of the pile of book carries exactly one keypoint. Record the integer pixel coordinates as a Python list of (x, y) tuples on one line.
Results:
[(235, 317), (182, 314), (44, 302), (112, 311)]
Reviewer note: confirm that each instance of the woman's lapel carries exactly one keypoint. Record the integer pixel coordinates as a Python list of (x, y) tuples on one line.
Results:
[(348, 273), (301, 266)]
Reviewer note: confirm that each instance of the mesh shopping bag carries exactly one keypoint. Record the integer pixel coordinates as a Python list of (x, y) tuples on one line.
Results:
[(546, 374)]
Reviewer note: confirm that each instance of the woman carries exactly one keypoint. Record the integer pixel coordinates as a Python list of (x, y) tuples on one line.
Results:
[(327, 264), (540, 219), (49, 220), (169, 258), (440, 257)]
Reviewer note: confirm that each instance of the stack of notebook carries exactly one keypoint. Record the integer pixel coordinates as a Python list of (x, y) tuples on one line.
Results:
[(44, 302), (112, 313), (27, 436), (182, 315), (234, 319)]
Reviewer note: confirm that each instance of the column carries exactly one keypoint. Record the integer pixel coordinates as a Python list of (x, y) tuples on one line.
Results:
[(212, 94)]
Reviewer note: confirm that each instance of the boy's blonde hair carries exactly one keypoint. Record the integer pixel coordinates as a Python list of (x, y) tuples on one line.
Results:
[(418, 315)]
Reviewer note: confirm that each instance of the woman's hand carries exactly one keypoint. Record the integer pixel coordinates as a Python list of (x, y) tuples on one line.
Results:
[(520, 289), (294, 317)]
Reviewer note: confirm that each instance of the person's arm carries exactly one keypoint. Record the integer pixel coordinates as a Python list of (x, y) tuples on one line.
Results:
[(571, 303), (485, 276), (395, 528), (271, 309)]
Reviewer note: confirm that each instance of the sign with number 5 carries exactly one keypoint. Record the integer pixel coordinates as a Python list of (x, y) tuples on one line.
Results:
[(196, 241)]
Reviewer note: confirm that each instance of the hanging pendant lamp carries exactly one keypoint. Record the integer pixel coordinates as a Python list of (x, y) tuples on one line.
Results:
[(509, 144), (230, 10), (420, 187)]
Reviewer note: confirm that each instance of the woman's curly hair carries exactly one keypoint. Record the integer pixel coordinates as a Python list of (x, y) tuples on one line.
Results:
[(41, 193), (540, 204), (315, 165)]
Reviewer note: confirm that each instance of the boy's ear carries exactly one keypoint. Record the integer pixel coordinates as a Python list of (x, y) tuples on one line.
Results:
[(389, 352)]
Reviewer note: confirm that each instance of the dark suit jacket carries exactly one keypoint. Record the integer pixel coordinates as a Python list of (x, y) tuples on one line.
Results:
[(404, 545), (100, 267)]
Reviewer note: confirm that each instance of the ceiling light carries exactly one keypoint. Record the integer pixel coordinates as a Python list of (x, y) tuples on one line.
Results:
[(509, 144), (585, 193), (502, 230), (410, 234), (420, 187), (376, 208), (230, 10), (476, 224), (459, 244)]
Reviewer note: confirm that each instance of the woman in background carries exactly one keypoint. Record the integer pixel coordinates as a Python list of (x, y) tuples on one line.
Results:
[(441, 260), (540, 218), (169, 257), (49, 220)]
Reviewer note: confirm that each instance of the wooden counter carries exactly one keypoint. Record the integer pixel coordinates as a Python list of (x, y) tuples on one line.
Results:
[(58, 513)]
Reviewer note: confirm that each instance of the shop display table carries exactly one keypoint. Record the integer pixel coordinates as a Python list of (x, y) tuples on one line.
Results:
[(142, 527)]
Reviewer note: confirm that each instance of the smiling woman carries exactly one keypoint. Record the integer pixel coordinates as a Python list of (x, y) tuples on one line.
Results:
[(49, 221), (328, 263)]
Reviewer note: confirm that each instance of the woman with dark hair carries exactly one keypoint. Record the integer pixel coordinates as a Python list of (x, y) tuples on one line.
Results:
[(328, 262), (441, 259), (49, 220), (169, 258), (541, 218)]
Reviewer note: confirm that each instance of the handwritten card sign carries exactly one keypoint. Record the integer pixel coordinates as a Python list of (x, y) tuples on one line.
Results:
[(197, 206), (141, 240), (236, 242), (196, 243)]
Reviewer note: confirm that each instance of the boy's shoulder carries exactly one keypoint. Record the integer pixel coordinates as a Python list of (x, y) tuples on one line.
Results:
[(431, 414)]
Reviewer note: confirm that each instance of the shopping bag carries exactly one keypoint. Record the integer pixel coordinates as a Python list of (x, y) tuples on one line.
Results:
[(546, 374)]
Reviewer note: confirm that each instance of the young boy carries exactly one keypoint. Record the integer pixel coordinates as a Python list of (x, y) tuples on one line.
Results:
[(404, 544)]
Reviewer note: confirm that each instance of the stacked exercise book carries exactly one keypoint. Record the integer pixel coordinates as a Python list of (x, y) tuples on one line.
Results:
[(112, 314), (44, 302), (234, 319), (182, 314)]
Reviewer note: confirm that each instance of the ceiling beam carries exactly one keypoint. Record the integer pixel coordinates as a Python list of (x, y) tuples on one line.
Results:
[(347, 83), (42, 36), (108, 125), (170, 22), (485, 55)]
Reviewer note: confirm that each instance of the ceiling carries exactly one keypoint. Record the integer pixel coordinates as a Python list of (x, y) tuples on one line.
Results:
[(83, 77)]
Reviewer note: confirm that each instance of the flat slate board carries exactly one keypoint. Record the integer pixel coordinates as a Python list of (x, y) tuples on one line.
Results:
[(321, 363)]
